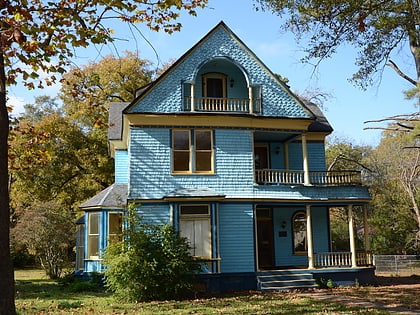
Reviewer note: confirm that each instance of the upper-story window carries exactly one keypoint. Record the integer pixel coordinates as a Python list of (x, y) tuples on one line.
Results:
[(214, 85), (192, 151)]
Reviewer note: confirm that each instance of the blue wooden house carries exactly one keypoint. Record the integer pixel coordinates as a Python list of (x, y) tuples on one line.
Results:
[(221, 149)]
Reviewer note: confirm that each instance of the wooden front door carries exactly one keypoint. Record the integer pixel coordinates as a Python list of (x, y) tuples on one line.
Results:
[(265, 238)]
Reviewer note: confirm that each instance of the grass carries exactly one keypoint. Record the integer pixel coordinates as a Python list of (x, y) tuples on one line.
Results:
[(38, 295), (393, 291)]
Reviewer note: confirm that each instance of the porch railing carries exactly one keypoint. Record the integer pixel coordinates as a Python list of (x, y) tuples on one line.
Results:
[(327, 178), (220, 104), (341, 259)]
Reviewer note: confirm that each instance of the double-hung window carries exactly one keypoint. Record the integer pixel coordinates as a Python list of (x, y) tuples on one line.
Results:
[(93, 235), (192, 151), (194, 224)]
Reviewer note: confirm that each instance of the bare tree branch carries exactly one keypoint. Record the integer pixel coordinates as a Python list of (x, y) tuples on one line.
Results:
[(400, 73)]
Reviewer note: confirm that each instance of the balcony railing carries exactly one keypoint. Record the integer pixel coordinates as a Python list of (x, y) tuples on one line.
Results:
[(326, 178), (218, 104), (342, 259)]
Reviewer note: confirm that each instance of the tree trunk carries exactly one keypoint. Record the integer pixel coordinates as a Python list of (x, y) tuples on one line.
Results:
[(7, 287)]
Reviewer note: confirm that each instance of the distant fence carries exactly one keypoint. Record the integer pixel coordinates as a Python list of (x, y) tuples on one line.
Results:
[(397, 265)]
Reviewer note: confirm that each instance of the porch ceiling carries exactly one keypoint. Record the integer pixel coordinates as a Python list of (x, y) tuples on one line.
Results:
[(272, 136)]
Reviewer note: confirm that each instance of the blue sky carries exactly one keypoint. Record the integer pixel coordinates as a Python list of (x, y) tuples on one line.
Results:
[(347, 109)]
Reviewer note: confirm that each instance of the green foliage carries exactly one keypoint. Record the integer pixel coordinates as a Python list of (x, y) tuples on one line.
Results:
[(76, 284), (374, 28), (325, 284), (152, 263)]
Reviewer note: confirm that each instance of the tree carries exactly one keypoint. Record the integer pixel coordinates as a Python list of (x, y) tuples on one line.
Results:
[(87, 91), (42, 36), (343, 155), (396, 193), (59, 154), (374, 28), (47, 231)]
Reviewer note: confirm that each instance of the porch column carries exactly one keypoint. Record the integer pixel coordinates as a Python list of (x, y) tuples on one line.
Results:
[(192, 97), (251, 102), (351, 236), (309, 237), (305, 160)]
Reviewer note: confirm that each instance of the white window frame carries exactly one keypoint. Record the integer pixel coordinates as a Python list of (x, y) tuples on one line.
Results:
[(194, 220), (92, 236), (192, 152)]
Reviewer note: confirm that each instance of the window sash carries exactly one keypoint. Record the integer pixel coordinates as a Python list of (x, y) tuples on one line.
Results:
[(192, 151), (80, 247), (93, 235), (195, 225)]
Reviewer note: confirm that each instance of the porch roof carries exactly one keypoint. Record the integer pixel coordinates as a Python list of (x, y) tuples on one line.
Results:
[(313, 193), (115, 196)]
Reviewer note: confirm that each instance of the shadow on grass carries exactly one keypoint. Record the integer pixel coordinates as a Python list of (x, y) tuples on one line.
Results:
[(48, 297)]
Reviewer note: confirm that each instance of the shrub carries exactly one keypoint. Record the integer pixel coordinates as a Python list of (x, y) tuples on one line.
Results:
[(152, 263)]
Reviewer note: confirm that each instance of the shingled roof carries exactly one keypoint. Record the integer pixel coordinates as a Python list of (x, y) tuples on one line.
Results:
[(115, 196)]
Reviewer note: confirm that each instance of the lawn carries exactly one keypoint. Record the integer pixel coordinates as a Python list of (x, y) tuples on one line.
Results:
[(38, 295)]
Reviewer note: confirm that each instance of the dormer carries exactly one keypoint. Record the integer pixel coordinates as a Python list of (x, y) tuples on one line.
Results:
[(221, 85)]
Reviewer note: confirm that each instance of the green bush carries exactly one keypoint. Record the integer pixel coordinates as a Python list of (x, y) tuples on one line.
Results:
[(152, 263)]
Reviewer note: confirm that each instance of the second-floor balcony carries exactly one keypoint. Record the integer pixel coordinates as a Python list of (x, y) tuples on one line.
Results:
[(325, 178), (221, 104)]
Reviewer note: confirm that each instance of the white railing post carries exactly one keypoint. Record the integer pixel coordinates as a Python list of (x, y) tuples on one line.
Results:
[(192, 97), (251, 103), (309, 237), (352, 240)]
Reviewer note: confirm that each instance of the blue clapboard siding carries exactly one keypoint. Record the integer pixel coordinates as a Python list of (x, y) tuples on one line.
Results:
[(150, 165), (154, 213), (121, 166), (166, 95), (284, 245), (236, 241), (316, 156)]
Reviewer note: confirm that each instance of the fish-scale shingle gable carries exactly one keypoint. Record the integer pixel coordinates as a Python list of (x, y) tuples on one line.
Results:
[(166, 94)]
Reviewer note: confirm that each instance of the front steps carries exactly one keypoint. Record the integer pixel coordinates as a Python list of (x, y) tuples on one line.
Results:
[(277, 280)]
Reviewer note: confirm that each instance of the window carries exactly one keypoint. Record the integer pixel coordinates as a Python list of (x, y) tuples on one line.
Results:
[(93, 235), (299, 233), (194, 224), (80, 246), (192, 151), (115, 221)]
